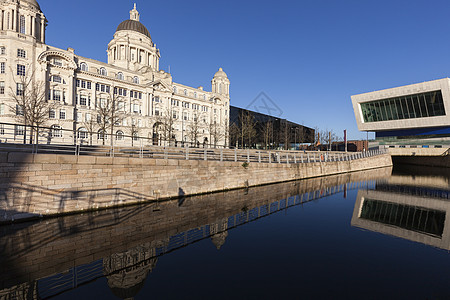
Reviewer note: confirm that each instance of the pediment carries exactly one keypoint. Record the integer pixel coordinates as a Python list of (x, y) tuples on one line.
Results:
[(46, 55)]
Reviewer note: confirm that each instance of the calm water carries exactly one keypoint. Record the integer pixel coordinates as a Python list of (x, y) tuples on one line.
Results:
[(369, 235)]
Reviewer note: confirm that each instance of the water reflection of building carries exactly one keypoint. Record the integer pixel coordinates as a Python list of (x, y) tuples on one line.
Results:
[(418, 214), (136, 248), (127, 271)]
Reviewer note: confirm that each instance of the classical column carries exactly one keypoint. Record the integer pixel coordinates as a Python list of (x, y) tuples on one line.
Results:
[(42, 31)]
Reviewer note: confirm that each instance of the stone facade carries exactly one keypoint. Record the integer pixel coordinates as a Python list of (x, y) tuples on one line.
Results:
[(146, 99)]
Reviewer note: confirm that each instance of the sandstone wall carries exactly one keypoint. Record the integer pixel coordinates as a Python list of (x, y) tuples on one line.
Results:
[(50, 184)]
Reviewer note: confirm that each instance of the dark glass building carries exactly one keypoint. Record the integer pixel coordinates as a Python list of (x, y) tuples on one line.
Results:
[(256, 130)]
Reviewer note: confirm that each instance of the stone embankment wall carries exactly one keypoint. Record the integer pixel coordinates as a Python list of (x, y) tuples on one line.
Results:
[(51, 184)]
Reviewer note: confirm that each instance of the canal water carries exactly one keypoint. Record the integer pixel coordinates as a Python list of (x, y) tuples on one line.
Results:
[(380, 234)]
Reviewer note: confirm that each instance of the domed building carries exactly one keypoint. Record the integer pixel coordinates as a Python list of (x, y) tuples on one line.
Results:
[(142, 99)]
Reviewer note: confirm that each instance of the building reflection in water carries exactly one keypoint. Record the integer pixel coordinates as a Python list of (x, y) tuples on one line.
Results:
[(407, 207), (138, 237)]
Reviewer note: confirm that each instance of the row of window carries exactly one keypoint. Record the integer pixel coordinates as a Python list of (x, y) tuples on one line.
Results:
[(102, 71), (185, 92), (21, 53), (421, 105)]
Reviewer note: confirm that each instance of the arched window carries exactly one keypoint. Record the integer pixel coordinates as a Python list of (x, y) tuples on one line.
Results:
[(119, 135), (103, 72), (82, 133), (84, 67), (102, 135), (120, 76), (185, 92), (175, 89), (56, 131), (136, 79), (195, 94)]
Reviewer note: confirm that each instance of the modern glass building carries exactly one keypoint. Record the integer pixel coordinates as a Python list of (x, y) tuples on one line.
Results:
[(412, 114)]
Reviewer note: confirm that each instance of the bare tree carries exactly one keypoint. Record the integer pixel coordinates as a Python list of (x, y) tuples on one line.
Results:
[(166, 124), (193, 129), (109, 115), (91, 126), (134, 132), (234, 134), (267, 132), (216, 133), (31, 106), (248, 128)]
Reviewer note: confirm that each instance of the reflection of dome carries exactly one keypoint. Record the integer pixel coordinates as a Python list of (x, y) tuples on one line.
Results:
[(219, 239), (127, 281), (133, 26), (220, 73), (33, 3)]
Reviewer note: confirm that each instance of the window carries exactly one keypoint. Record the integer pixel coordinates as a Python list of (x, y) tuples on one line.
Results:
[(2, 87), (174, 114), (19, 89), (195, 94), (83, 100), (103, 72), (56, 95), (82, 133), (21, 53), (19, 110), (2, 68), (119, 135), (57, 62), (52, 114), (120, 76), (136, 108), (156, 111), (136, 79), (422, 105), (87, 117), (156, 99), (185, 116), (79, 116), (21, 70), (135, 136), (84, 67), (62, 114), (121, 106), (56, 131), (139, 123), (89, 85), (175, 89), (185, 92), (22, 24), (19, 129), (102, 135), (2, 50), (2, 129), (57, 78), (2, 109)]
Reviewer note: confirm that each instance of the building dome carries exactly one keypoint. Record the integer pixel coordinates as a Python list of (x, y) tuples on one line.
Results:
[(33, 3), (220, 73), (133, 26)]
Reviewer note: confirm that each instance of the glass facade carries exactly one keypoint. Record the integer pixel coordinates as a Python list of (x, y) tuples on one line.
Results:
[(408, 217), (429, 104)]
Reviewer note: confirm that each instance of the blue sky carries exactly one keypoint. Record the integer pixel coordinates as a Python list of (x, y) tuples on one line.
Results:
[(309, 57)]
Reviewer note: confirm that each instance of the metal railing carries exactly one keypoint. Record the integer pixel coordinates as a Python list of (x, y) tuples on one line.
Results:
[(132, 146)]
